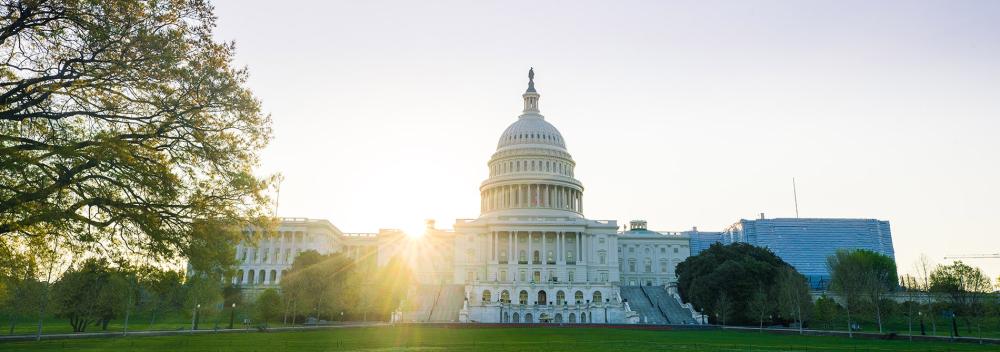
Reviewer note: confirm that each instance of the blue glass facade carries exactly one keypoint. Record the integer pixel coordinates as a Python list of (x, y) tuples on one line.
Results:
[(806, 243)]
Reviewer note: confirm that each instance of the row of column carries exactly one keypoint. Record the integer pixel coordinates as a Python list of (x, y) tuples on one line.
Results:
[(532, 196), (580, 246)]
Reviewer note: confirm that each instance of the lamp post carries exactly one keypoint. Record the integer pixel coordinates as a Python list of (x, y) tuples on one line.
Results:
[(194, 320), (921, 315), (341, 316), (232, 315)]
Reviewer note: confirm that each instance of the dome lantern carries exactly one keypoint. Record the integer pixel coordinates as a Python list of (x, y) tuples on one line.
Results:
[(531, 96)]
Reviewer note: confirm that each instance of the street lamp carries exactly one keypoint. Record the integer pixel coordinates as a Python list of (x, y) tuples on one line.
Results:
[(921, 314), (194, 320), (341, 316), (232, 315)]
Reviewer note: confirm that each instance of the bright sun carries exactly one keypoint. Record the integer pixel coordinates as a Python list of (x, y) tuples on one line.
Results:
[(415, 232)]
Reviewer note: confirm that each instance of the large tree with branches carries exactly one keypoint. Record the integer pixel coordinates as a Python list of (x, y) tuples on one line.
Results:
[(123, 125)]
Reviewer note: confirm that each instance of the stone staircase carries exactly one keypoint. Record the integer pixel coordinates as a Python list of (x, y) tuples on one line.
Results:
[(669, 305), (643, 304), (448, 303)]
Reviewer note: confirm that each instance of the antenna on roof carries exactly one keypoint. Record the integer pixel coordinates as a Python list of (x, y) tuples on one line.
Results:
[(795, 195)]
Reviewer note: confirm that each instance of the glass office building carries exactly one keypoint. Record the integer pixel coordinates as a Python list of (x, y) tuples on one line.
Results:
[(805, 243)]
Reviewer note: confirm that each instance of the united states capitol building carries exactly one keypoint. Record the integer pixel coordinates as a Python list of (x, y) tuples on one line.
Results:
[(532, 256)]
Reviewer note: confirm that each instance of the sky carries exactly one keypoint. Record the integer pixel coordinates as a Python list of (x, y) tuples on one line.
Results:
[(681, 113)]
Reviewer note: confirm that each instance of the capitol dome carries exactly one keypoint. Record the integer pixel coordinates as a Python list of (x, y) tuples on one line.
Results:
[(531, 173), (531, 129)]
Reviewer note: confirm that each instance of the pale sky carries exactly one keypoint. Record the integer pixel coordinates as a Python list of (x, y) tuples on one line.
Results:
[(680, 113)]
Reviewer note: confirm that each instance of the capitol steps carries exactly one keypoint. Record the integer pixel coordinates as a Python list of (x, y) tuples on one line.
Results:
[(449, 302), (669, 305), (638, 301)]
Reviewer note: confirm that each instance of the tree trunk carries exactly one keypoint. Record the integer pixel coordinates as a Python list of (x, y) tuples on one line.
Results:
[(847, 307)]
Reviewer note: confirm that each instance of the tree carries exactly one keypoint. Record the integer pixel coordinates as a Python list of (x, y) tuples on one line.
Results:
[(736, 271), (90, 293), (322, 284), (760, 305), (862, 276), (794, 299), (826, 310), (965, 287), (268, 305), (162, 291), (124, 122)]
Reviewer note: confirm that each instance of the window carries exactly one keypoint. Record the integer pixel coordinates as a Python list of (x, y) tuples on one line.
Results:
[(536, 276), (647, 265), (631, 249), (663, 266), (522, 277), (631, 265), (522, 297), (597, 297), (550, 257), (503, 275), (560, 297), (288, 255), (604, 276), (522, 257), (646, 250), (487, 296), (569, 276), (578, 296), (663, 250), (535, 258), (505, 296), (675, 249), (602, 257)]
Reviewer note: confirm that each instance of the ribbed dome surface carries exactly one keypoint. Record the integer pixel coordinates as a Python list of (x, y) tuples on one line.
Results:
[(531, 129)]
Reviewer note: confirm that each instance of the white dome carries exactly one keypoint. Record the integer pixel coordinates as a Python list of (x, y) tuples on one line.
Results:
[(531, 129)]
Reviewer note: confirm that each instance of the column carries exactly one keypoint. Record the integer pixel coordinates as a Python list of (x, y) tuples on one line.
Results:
[(530, 253), (510, 247), (545, 252)]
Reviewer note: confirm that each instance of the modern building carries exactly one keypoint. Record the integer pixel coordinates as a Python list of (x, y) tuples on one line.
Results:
[(805, 243)]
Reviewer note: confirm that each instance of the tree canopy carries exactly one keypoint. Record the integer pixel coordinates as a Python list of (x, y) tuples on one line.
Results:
[(122, 124), (724, 281)]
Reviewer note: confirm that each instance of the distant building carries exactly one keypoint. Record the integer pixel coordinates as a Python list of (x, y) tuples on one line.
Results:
[(806, 243), (648, 258), (700, 240)]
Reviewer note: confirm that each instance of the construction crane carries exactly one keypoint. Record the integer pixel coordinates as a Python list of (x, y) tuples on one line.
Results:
[(973, 256)]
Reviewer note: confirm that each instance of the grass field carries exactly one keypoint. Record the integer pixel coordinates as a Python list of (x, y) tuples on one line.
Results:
[(488, 339)]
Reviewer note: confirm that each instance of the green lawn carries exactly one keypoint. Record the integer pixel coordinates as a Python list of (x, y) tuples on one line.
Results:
[(488, 339)]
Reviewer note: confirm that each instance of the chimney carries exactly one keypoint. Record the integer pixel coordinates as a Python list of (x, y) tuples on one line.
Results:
[(762, 216)]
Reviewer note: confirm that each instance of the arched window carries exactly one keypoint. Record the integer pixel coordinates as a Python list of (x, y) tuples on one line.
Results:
[(535, 258), (572, 317), (274, 277), (558, 318), (522, 298), (543, 298), (239, 277), (522, 257), (560, 298), (505, 296), (578, 296), (250, 275), (262, 276), (550, 257), (517, 318), (583, 317), (597, 297), (487, 296), (528, 318)]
